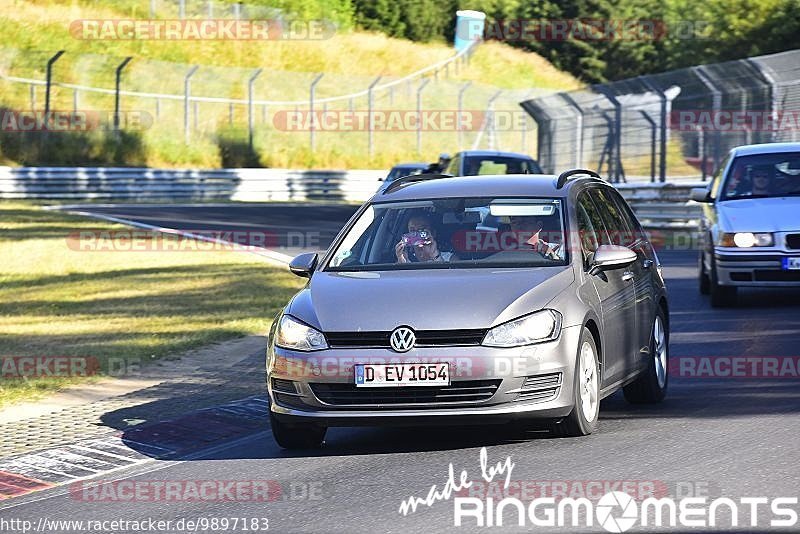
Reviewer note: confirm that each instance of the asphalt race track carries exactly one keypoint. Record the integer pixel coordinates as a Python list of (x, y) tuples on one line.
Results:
[(731, 437)]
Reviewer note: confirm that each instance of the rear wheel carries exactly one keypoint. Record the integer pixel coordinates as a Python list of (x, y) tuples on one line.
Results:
[(721, 296), (296, 435), (651, 386), (703, 279), (585, 391)]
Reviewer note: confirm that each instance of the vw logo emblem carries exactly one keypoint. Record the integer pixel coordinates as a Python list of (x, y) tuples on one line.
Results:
[(402, 339)]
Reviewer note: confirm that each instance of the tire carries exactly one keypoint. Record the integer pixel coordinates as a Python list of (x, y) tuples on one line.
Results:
[(297, 436), (582, 420), (704, 281), (651, 386), (721, 296)]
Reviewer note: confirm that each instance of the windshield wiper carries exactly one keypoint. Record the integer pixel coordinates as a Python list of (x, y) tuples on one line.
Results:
[(744, 197)]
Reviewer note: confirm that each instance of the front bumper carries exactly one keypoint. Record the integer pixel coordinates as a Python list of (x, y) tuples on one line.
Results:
[(754, 269), (528, 382)]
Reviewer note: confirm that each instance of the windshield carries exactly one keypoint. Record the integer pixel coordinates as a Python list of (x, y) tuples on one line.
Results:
[(763, 175), (406, 170), (454, 233), (476, 165)]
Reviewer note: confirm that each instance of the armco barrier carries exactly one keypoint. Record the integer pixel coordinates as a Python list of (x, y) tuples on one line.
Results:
[(254, 185), (658, 205), (663, 205)]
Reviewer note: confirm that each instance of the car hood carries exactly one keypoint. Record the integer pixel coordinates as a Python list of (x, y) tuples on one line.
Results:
[(760, 214), (435, 299)]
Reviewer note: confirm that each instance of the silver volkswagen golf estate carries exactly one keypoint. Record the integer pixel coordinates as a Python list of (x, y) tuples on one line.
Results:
[(472, 299)]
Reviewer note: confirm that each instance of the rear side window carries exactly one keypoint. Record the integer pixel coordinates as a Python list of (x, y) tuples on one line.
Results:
[(619, 228), (591, 229)]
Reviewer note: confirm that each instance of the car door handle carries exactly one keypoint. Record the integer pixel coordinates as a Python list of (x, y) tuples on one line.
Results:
[(647, 263), (627, 276)]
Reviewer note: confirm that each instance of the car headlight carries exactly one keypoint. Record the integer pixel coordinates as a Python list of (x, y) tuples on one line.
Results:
[(537, 327), (746, 240), (292, 334)]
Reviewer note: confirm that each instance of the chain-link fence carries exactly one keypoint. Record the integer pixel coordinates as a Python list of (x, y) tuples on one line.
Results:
[(250, 117), (670, 125)]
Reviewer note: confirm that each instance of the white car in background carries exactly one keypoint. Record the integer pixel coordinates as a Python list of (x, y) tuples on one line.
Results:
[(751, 223)]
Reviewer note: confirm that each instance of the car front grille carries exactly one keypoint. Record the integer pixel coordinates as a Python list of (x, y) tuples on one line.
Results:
[(425, 338), (793, 241), (463, 392)]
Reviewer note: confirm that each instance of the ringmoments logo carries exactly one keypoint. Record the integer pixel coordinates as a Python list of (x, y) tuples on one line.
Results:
[(617, 511)]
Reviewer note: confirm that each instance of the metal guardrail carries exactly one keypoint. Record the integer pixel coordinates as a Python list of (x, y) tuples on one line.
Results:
[(254, 185), (658, 205), (663, 205)]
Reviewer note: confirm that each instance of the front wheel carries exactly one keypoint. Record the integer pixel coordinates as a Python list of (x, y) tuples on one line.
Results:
[(296, 436), (651, 386), (582, 420)]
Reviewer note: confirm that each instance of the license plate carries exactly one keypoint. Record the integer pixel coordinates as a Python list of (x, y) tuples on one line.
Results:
[(791, 264), (402, 374)]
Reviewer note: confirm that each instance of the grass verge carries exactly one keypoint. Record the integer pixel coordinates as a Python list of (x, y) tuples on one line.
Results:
[(118, 308)]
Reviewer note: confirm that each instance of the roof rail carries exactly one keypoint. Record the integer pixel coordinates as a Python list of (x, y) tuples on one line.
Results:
[(413, 178), (564, 176)]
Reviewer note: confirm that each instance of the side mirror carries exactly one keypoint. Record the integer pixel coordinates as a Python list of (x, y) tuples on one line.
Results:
[(608, 257), (304, 264), (700, 194)]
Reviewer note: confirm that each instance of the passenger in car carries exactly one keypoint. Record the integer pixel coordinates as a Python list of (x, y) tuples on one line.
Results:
[(427, 249)]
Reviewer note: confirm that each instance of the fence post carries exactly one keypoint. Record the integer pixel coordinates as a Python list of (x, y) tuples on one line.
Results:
[(652, 143), (578, 128), (461, 92), (369, 113), (493, 129), (716, 103), (181, 9), (210, 9), (49, 84), (663, 131), (33, 97), (250, 121), (75, 100), (118, 78), (186, 88), (152, 9), (774, 93), (523, 134), (422, 85), (615, 148), (312, 124)]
